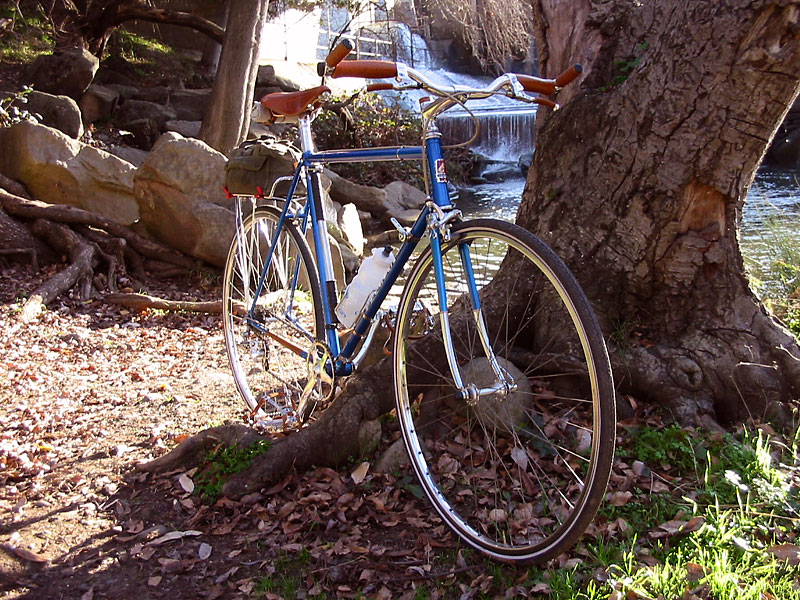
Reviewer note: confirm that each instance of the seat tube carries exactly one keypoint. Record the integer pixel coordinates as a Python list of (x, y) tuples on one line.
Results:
[(322, 248)]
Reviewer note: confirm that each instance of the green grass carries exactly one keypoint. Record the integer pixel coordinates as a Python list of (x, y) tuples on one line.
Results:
[(28, 37), (741, 493), (222, 462), (775, 276), (285, 579)]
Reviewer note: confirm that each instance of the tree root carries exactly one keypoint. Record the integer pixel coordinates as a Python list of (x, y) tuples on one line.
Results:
[(143, 301), (100, 253)]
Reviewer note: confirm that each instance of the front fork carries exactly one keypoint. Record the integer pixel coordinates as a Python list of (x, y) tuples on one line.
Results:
[(468, 392)]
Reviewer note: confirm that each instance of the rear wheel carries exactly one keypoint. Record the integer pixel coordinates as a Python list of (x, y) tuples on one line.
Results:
[(518, 474), (274, 330)]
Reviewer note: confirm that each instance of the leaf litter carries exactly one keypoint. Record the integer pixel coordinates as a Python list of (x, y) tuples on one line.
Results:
[(91, 389)]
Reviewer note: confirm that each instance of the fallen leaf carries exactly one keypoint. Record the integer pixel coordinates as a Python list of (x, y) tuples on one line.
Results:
[(360, 473), (26, 554), (173, 535), (788, 552), (186, 483), (204, 551), (154, 581), (620, 498)]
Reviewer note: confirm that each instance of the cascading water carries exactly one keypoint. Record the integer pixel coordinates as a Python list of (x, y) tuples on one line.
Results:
[(506, 126)]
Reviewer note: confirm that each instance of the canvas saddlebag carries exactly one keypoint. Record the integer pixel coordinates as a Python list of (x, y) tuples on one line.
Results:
[(258, 163)]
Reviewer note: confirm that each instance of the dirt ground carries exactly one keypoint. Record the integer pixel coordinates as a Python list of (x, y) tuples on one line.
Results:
[(89, 389)]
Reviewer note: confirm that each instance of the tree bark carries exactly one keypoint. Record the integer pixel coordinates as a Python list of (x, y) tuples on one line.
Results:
[(227, 119), (641, 178)]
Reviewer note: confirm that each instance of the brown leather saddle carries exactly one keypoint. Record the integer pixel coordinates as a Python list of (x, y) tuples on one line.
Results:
[(294, 104)]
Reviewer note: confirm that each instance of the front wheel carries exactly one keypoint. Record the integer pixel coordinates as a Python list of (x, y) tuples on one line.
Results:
[(517, 472)]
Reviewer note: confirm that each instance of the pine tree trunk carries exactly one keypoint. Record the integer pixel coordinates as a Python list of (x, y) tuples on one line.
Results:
[(639, 182), (227, 119)]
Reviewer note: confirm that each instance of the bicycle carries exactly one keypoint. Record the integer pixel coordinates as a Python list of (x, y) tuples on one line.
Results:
[(504, 393)]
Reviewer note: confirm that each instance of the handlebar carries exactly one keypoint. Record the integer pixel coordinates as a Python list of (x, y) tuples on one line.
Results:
[(337, 55), (510, 84)]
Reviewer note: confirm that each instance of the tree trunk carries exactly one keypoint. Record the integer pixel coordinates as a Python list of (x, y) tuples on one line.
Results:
[(639, 182), (227, 119)]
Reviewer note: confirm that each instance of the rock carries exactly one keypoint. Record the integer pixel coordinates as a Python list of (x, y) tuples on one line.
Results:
[(132, 155), (494, 171), (785, 150), (157, 94), (370, 199), (394, 458), (185, 128), (190, 105), (125, 92), (525, 161), (59, 112), (142, 133), (350, 225), (60, 170), (179, 192), (98, 102), (505, 413), (403, 196), (65, 72), (135, 110)]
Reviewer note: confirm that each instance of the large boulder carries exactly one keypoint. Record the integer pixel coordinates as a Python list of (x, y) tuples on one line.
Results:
[(190, 105), (60, 170), (98, 102), (135, 110), (181, 202), (59, 112), (64, 73)]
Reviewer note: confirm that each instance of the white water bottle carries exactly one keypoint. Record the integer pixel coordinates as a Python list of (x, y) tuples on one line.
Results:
[(364, 284)]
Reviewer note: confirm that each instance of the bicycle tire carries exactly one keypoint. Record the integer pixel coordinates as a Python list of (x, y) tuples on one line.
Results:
[(518, 477), (270, 376)]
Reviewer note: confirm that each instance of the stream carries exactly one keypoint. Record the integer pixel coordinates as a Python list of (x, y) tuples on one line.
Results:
[(771, 216)]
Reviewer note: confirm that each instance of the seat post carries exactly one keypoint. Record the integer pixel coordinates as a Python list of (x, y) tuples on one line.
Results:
[(306, 141)]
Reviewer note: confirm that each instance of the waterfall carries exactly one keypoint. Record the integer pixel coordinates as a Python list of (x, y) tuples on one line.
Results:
[(506, 126)]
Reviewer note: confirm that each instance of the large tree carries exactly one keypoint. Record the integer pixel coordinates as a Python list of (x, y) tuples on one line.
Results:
[(227, 119), (638, 182)]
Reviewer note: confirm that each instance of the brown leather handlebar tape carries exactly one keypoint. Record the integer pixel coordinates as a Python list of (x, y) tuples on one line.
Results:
[(535, 84), (569, 75), (545, 102), (338, 54), (368, 69), (379, 87)]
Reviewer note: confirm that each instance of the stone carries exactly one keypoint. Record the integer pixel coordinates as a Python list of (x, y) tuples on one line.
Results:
[(135, 110), (59, 112), (64, 73), (370, 199), (395, 457), (132, 155), (125, 92), (504, 413), (350, 226), (179, 192), (190, 105), (402, 197), (60, 170), (142, 133), (157, 94), (98, 102), (185, 128)]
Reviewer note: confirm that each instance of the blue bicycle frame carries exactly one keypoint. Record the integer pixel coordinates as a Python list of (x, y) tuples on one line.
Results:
[(311, 211)]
